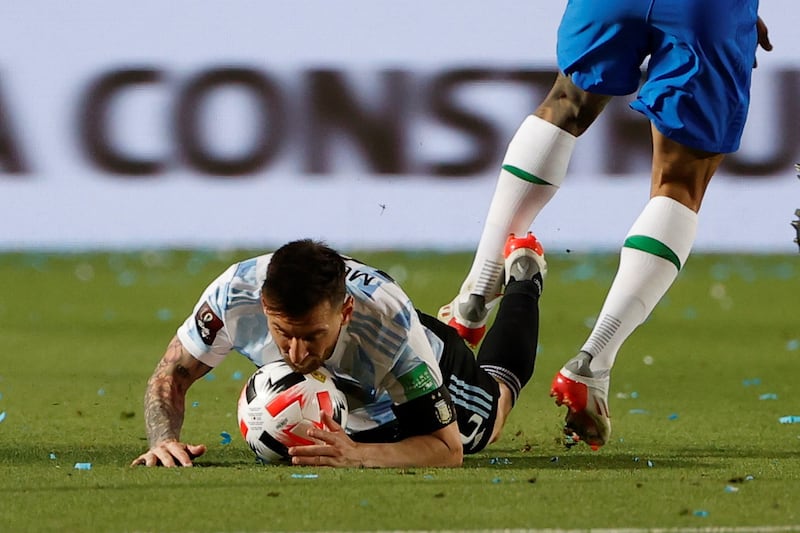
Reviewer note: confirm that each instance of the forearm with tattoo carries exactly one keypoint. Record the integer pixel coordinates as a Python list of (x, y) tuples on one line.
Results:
[(165, 398)]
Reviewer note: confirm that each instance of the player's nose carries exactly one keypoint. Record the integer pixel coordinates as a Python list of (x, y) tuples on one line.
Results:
[(297, 350)]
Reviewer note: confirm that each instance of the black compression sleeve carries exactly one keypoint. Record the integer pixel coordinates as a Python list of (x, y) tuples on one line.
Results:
[(425, 414)]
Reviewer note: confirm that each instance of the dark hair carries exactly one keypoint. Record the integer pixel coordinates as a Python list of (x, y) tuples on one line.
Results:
[(301, 275)]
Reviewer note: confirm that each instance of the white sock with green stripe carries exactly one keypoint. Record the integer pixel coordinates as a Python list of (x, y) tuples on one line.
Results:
[(655, 250), (533, 169)]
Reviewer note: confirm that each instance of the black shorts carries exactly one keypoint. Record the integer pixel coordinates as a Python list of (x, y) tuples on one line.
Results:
[(473, 391)]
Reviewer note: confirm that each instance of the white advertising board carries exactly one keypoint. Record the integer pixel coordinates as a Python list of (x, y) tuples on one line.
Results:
[(372, 125)]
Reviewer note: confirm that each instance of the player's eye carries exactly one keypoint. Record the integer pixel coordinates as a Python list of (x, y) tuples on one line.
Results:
[(314, 336)]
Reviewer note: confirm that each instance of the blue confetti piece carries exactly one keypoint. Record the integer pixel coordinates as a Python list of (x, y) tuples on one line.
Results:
[(2, 416), (783, 271), (194, 265), (690, 313), (581, 272), (226, 437), (305, 476), (554, 459), (237, 376), (768, 396), (749, 478), (116, 263), (39, 262), (52, 456), (789, 420), (195, 403), (126, 278), (364, 503), (731, 488), (720, 272), (701, 513), (210, 377), (499, 461), (673, 416), (634, 395), (164, 314), (1, 395), (751, 382), (83, 466), (101, 392), (496, 480), (638, 411), (650, 463), (427, 476), (635, 459), (793, 345)]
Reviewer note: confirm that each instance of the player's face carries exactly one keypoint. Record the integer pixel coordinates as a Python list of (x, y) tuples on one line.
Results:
[(307, 341)]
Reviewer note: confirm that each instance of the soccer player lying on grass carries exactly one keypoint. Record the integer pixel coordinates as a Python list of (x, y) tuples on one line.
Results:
[(417, 394)]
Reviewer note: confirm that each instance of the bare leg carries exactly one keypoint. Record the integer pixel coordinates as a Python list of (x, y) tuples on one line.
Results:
[(504, 405), (680, 172), (571, 108), (654, 251)]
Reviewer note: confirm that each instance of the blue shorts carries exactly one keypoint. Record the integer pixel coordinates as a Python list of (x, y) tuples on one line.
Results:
[(697, 89)]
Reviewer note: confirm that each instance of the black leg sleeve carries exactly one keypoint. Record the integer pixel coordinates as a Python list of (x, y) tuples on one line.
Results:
[(508, 352)]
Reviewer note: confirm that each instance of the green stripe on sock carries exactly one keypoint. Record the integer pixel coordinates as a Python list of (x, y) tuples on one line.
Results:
[(652, 246), (523, 175)]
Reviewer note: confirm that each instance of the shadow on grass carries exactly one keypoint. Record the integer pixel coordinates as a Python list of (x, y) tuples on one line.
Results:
[(569, 461), (106, 455), (577, 458), (580, 459)]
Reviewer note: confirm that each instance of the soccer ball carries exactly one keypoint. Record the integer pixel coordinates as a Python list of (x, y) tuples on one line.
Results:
[(277, 406)]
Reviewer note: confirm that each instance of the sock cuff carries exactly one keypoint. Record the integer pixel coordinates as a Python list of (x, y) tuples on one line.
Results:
[(507, 377), (665, 228), (539, 152)]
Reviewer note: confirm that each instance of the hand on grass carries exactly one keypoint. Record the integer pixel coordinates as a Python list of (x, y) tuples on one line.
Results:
[(169, 454), (337, 449)]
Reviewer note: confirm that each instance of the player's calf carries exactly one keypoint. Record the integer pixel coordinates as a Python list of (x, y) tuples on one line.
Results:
[(509, 352)]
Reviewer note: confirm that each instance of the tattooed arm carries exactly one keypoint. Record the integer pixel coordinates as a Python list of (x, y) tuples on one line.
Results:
[(165, 405)]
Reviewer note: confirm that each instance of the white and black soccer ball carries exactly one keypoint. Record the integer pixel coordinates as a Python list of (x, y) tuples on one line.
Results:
[(277, 406)]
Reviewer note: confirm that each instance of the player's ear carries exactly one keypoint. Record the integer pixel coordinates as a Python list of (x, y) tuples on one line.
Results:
[(347, 309)]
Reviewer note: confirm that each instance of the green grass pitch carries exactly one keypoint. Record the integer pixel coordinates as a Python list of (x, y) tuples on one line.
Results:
[(697, 395)]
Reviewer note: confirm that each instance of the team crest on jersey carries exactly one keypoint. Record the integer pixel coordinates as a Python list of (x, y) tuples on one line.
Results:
[(208, 324), (443, 411)]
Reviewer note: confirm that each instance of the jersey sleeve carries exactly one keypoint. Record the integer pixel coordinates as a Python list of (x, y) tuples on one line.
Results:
[(422, 403), (416, 370), (204, 333)]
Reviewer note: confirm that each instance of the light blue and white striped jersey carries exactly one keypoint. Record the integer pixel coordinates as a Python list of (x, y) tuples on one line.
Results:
[(384, 355)]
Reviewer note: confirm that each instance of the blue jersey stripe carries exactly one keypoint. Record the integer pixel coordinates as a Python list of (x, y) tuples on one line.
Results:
[(457, 400), (473, 393)]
